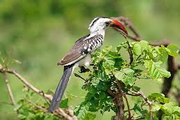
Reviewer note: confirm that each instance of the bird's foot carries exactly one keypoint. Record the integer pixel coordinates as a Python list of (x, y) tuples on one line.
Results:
[(93, 66), (78, 76), (84, 70)]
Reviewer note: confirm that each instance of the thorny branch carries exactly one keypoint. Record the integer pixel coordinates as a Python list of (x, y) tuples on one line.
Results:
[(68, 115)]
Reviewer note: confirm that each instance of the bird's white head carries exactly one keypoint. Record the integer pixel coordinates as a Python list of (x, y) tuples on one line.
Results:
[(99, 24)]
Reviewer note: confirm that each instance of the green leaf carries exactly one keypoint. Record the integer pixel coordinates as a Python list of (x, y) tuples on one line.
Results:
[(164, 72), (137, 50), (136, 88), (171, 108), (173, 50), (89, 116), (17, 107), (139, 47), (119, 75), (154, 69), (102, 95), (158, 97), (163, 55), (156, 107), (81, 111), (139, 110), (64, 103), (126, 75)]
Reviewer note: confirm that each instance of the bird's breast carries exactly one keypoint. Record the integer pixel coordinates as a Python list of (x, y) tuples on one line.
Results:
[(85, 61)]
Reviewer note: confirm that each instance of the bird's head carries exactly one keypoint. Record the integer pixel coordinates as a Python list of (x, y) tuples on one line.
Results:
[(101, 23)]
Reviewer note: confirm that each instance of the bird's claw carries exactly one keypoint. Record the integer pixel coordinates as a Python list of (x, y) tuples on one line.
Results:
[(84, 70)]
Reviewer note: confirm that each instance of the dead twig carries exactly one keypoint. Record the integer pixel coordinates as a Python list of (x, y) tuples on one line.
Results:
[(60, 112), (9, 88)]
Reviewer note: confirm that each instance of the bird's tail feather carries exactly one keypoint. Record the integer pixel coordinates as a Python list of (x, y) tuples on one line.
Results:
[(61, 88)]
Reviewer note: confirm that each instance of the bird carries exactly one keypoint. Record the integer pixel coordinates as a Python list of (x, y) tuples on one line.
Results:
[(80, 54)]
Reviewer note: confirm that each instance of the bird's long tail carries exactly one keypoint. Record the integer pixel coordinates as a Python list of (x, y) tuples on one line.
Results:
[(61, 88)]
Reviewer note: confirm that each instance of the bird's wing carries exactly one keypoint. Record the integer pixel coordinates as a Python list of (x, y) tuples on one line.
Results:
[(78, 51)]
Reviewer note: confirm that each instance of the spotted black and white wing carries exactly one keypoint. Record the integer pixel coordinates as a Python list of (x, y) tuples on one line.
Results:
[(81, 48)]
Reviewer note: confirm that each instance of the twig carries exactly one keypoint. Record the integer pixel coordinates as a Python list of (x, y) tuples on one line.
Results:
[(59, 111), (130, 53), (25, 82), (37, 106), (6, 103), (172, 66), (78, 76), (146, 100), (129, 110), (9, 89)]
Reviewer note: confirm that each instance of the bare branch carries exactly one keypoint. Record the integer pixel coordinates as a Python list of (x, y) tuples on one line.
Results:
[(130, 53), (172, 68), (129, 110), (26, 83), (9, 89), (59, 111)]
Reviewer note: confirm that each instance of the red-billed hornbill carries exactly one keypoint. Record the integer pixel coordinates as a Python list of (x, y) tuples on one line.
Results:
[(80, 54)]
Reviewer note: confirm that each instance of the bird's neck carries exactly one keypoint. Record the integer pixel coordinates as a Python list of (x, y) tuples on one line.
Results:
[(97, 32)]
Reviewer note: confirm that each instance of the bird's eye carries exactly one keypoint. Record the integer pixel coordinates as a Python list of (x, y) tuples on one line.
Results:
[(107, 23)]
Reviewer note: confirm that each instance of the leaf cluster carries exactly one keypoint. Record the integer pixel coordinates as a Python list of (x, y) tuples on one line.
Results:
[(111, 69)]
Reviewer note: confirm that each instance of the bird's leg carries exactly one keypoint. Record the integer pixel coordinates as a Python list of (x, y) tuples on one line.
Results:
[(83, 69), (94, 67), (78, 76), (91, 64)]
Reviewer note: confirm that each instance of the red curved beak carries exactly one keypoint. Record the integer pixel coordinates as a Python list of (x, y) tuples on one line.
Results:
[(119, 27)]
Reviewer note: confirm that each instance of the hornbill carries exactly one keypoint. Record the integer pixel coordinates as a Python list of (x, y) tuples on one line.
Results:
[(80, 54)]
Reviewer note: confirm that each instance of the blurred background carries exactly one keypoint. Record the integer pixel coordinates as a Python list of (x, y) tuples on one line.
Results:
[(38, 33)]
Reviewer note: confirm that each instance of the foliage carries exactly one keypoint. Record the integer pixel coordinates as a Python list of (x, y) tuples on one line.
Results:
[(110, 65), (110, 68), (30, 109)]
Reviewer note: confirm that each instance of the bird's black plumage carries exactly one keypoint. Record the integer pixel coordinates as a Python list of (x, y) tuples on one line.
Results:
[(61, 88)]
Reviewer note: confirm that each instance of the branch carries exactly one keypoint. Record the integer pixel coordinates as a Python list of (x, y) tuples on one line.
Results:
[(9, 89), (172, 66), (62, 113), (118, 100), (146, 100), (130, 53), (129, 110), (26, 83)]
